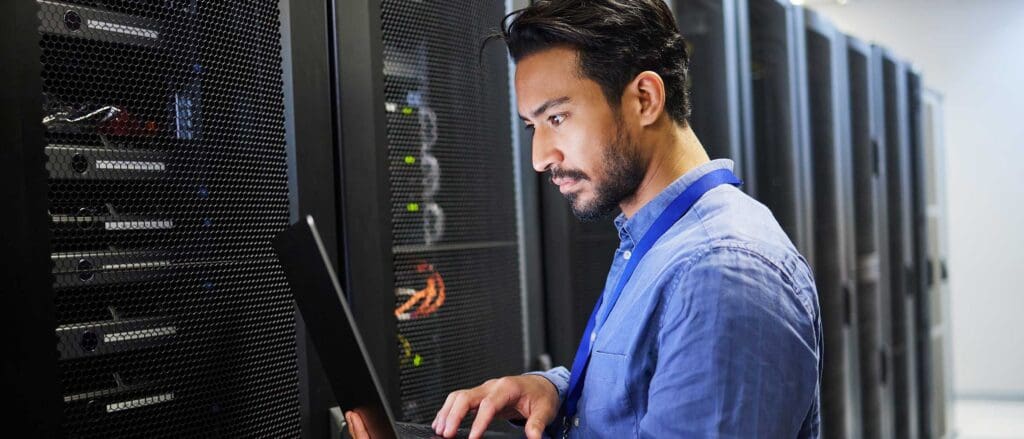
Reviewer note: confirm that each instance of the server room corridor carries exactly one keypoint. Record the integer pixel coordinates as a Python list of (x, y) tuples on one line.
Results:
[(328, 219)]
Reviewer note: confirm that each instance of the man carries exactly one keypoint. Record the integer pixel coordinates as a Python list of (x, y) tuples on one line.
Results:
[(715, 330)]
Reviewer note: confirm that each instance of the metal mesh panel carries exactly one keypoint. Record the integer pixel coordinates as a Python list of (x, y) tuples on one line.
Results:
[(901, 280), (593, 249), (703, 23), (453, 200), (869, 285), (167, 181), (839, 386), (775, 152)]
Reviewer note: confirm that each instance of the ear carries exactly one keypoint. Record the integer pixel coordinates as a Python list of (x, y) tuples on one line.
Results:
[(649, 91)]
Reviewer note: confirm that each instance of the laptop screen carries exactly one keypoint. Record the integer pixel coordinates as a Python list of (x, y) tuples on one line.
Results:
[(329, 323)]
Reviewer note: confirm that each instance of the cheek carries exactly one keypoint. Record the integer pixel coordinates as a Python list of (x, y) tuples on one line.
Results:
[(584, 152)]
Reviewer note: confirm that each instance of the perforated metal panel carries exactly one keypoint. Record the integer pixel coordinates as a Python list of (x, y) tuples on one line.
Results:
[(165, 140), (902, 280), (779, 150), (714, 40), (828, 111), (456, 248)]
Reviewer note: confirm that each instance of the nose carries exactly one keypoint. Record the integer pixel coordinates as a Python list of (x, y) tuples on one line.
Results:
[(544, 153)]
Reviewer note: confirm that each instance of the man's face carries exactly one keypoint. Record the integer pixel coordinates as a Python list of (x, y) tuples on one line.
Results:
[(577, 137)]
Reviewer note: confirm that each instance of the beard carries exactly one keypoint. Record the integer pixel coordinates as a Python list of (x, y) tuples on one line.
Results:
[(624, 171)]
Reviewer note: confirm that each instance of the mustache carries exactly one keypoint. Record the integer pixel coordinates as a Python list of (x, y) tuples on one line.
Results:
[(574, 174)]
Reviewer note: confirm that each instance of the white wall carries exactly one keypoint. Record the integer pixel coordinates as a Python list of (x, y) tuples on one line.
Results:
[(972, 51)]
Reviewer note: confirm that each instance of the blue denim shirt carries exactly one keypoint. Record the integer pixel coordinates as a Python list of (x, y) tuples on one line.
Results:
[(717, 334)]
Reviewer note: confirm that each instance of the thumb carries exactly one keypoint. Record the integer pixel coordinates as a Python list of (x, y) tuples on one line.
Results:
[(539, 420), (535, 427)]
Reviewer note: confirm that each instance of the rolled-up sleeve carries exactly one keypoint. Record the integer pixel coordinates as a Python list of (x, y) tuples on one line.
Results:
[(558, 376), (737, 351)]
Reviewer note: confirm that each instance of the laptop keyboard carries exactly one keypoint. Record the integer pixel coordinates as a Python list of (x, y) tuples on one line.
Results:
[(417, 431)]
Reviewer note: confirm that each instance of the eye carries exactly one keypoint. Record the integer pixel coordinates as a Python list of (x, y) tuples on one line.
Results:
[(557, 119)]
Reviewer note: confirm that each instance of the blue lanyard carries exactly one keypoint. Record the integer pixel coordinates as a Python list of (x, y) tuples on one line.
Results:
[(670, 216)]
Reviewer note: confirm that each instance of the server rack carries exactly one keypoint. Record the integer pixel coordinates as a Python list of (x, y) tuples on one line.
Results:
[(827, 81), (150, 181), (921, 279), (26, 287), (359, 133), (780, 131), (868, 147), (715, 31), (902, 281), (938, 276), (805, 173), (428, 199), (313, 159)]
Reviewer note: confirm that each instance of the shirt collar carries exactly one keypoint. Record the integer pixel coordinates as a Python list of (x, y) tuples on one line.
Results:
[(632, 229)]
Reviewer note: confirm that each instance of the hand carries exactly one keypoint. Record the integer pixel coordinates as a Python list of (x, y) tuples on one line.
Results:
[(356, 426), (531, 397), (363, 425)]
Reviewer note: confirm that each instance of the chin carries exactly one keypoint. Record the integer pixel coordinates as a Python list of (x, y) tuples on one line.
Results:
[(586, 211)]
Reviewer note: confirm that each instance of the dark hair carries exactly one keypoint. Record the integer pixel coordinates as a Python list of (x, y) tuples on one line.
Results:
[(615, 39)]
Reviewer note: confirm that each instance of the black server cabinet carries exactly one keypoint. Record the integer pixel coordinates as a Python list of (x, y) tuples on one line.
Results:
[(922, 265), (828, 91), (428, 195), (312, 155), (866, 116), (27, 297), (149, 173), (779, 128), (453, 201), (716, 36), (920, 275), (899, 209)]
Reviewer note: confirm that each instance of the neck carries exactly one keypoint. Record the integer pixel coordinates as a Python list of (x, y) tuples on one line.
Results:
[(676, 154)]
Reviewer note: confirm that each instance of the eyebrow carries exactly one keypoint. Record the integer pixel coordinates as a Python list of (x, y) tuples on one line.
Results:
[(547, 105)]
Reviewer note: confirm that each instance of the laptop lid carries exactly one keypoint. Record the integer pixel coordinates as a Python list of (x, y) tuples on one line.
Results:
[(329, 324)]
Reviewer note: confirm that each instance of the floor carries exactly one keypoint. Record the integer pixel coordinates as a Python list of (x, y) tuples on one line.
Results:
[(979, 419)]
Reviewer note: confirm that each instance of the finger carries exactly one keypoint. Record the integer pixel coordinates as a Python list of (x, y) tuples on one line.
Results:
[(484, 416), (443, 413), (463, 403), (358, 427), (348, 424)]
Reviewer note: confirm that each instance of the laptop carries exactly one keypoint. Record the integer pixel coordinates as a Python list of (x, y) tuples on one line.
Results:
[(335, 336)]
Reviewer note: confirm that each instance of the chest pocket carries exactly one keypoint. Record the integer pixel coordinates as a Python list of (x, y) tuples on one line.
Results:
[(605, 409)]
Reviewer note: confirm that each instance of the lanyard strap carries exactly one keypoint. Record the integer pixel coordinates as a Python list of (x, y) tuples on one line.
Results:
[(670, 216)]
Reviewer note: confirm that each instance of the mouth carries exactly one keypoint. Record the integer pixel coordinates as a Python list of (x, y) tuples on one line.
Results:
[(564, 183)]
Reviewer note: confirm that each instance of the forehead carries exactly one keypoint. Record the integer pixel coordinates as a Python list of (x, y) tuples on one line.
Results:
[(548, 74)]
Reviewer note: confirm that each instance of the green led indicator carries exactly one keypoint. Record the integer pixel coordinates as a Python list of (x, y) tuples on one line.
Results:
[(406, 110), (412, 207), (417, 360), (409, 160)]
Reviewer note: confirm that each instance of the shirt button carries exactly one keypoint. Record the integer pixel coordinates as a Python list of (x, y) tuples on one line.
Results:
[(575, 421), (627, 254), (593, 336)]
